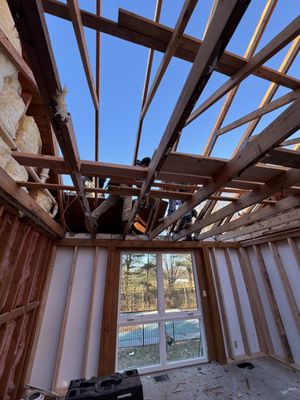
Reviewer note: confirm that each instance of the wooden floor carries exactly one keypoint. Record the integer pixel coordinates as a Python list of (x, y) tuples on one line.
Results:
[(268, 380)]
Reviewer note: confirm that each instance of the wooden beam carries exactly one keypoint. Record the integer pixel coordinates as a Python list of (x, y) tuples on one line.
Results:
[(143, 244), (98, 53), (295, 250), (16, 59), (285, 157), (90, 314), (31, 24), (273, 47), (265, 212), (286, 285), (221, 29), (223, 313), (273, 305), (274, 236), (270, 93), (279, 183), (259, 318), (74, 10), (283, 126), (213, 327), (283, 218), (64, 321), (290, 142), (145, 32), (14, 314), (274, 105), (146, 85), (19, 199), (109, 331), (184, 17), (252, 46), (237, 301)]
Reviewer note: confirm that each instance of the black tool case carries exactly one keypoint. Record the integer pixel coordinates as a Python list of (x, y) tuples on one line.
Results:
[(126, 385)]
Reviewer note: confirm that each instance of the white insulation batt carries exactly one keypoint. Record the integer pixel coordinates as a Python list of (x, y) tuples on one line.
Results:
[(42, 199), (8, 26), (28, 138), (12, 106), (5, 153), (7, 69), (16, 171)]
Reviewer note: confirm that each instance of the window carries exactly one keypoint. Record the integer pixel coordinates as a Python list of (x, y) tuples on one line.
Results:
[(160, 322)]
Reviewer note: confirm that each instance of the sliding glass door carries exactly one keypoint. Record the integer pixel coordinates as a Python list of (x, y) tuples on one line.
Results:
[(160, 321)]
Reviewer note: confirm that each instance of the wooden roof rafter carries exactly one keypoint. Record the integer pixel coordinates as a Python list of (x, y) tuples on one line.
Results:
[(147, 33), (224, 22), (31, 24), (286, 124), (241, 174), (251, 48)]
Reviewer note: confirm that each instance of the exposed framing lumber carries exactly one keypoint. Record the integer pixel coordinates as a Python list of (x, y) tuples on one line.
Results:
[(237, 302), (20, 374), (183, 19), (283, 157), (272, 237), (30, 22), (274, 105), (74, 10), (146, 85), (284, 218), (142, 244), (290, 142), (273, 47), (135, 175), (64, 322), (126, 191), (108, 342), (282, 127), (222, 27), (295, 250), (19, 199), (211, 14), (18, 61), (266, 212), (213, 327), (260, 322), (40, 314), (274, 307), (221, 303), (18, 312), (90, 313), (252, 46), (283, 181), (286, 285), (98, 55), (157, 37), (270, 93)]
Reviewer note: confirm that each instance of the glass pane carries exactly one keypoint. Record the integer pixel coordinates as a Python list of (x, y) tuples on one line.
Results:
[(179, 285), (138, 346), (184, 340), (139, 286)]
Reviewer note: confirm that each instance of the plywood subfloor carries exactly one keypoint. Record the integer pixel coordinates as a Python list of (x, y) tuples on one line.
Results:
[(269, 380)]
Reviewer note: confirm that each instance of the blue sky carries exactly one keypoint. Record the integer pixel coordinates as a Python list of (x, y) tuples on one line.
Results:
[(123, 66)]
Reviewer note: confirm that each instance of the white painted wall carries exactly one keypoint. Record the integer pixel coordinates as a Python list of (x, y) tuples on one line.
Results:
[(75, 343)]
